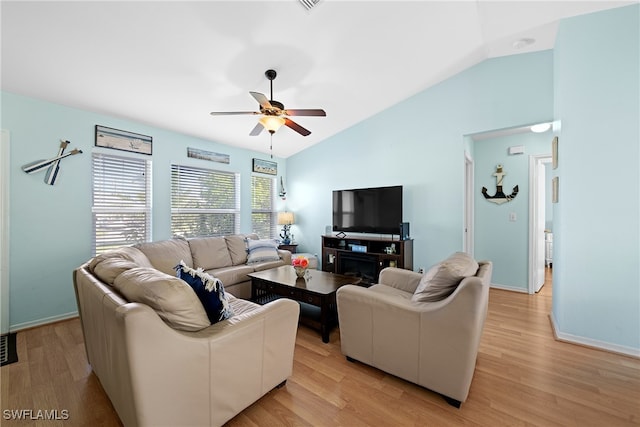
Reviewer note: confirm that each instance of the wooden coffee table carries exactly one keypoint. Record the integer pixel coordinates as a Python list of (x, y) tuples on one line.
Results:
[(316, 293)]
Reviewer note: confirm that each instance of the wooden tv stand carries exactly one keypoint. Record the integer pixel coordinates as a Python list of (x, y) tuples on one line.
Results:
[(341, 255)]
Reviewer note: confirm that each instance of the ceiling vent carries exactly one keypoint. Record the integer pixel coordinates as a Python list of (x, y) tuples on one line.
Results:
[(309, 4)]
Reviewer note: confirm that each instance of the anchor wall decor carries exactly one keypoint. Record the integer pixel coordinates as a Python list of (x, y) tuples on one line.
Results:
[(499, 198)]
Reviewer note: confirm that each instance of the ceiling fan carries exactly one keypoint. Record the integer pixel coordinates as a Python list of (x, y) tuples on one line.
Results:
[(273, 112)]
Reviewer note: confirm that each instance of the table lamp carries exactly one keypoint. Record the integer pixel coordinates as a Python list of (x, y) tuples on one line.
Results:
[(285, 219)]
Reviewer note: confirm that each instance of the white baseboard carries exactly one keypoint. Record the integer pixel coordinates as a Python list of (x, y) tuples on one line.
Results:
[(589, 342), (27, 325), (509, 288)]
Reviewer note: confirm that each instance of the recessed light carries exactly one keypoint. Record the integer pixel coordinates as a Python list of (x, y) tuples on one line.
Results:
[(522, 43), (541, 127)]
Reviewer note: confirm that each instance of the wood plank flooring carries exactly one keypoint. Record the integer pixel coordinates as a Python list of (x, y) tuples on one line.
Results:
[(523, 378)]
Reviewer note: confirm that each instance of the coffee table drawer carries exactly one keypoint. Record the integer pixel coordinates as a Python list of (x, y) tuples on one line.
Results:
[(293, 293), (308, 298)]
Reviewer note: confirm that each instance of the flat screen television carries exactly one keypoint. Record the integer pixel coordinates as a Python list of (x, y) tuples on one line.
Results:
[(368, 210)]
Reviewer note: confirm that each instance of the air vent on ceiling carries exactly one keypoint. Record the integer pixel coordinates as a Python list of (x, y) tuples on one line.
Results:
[(309, 3)]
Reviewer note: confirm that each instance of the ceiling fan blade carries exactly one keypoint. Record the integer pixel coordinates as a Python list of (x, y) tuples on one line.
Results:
[(262, 100), (231, 113), (306, 112), (256, 130), (293, 125)]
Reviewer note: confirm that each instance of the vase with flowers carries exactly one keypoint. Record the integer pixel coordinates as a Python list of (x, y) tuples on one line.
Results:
[(300, 265)]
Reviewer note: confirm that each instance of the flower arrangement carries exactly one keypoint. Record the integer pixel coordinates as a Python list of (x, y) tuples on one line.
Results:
[(300, 261), (300, 265)]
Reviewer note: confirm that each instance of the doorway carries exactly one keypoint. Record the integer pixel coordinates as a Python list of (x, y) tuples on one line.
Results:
[(537, 224), (503, 232)]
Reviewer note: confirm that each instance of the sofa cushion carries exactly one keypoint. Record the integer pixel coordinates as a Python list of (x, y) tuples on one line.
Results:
[(166, 254), (126, 252), (237, 246), (209, 252), (262, 250), (174, 301), (232, 275), (108, 269), (266, 265), (209, 290), (241, 306), (443, 278)]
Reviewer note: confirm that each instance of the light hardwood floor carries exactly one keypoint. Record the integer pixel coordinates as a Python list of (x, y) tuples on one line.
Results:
[(523, 378)]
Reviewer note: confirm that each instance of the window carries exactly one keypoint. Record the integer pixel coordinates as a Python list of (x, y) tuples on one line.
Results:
[(263, 214), (121, 201), (204, 202)]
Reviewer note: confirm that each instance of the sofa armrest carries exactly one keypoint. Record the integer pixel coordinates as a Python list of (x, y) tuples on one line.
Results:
[(456, 323), (399, 278), (223, 368), (380, 327), (285, 256)]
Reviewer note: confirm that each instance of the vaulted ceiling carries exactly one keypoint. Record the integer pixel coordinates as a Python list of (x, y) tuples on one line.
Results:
[(168, 64)]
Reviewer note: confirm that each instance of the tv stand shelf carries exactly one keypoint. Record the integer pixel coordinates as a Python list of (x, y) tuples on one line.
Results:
[(365, 257)]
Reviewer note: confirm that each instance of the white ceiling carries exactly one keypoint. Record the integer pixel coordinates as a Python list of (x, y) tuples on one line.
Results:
[(168, 64)]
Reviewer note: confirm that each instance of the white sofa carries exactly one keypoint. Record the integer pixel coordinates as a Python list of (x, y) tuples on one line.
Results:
[(158, 362), (433, 344), (224, 257)]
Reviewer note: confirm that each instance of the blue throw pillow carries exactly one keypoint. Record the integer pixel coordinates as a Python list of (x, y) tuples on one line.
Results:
[(209, 290)]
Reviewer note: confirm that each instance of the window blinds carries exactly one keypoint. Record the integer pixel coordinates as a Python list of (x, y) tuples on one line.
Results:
[(204, 202), (263, 214), (121, 205)]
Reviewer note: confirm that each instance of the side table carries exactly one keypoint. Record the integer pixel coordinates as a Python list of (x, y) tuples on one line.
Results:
[(291, 247)]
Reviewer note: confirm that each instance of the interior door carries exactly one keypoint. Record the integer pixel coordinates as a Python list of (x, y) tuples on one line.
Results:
[(539, 226), (4, 232), (537, 218)]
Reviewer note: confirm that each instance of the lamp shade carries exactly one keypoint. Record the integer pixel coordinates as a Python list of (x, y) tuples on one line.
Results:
[(272, 123), (285, 218)]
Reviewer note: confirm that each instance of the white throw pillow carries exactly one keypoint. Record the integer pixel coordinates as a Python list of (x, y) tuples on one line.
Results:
[(443, 278), (262, 250)]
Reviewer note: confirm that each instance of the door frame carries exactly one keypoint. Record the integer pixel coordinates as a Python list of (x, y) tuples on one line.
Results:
[(469, 214), (4, 231), (535, 210)]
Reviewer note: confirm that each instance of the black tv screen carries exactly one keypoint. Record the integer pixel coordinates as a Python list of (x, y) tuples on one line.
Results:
[(368, 210)]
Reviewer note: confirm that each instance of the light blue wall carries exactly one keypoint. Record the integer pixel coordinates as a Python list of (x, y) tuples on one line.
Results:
[(596, 222), (419, 143), (51, 226), (497, 238)]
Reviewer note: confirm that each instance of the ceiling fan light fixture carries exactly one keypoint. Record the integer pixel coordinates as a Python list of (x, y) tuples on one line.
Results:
[(272, 123)]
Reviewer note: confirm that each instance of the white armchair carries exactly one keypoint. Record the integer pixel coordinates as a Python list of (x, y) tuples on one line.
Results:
[(432, 344)]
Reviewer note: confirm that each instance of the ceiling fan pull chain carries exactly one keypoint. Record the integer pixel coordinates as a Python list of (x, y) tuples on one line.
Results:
[(271, 144)]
